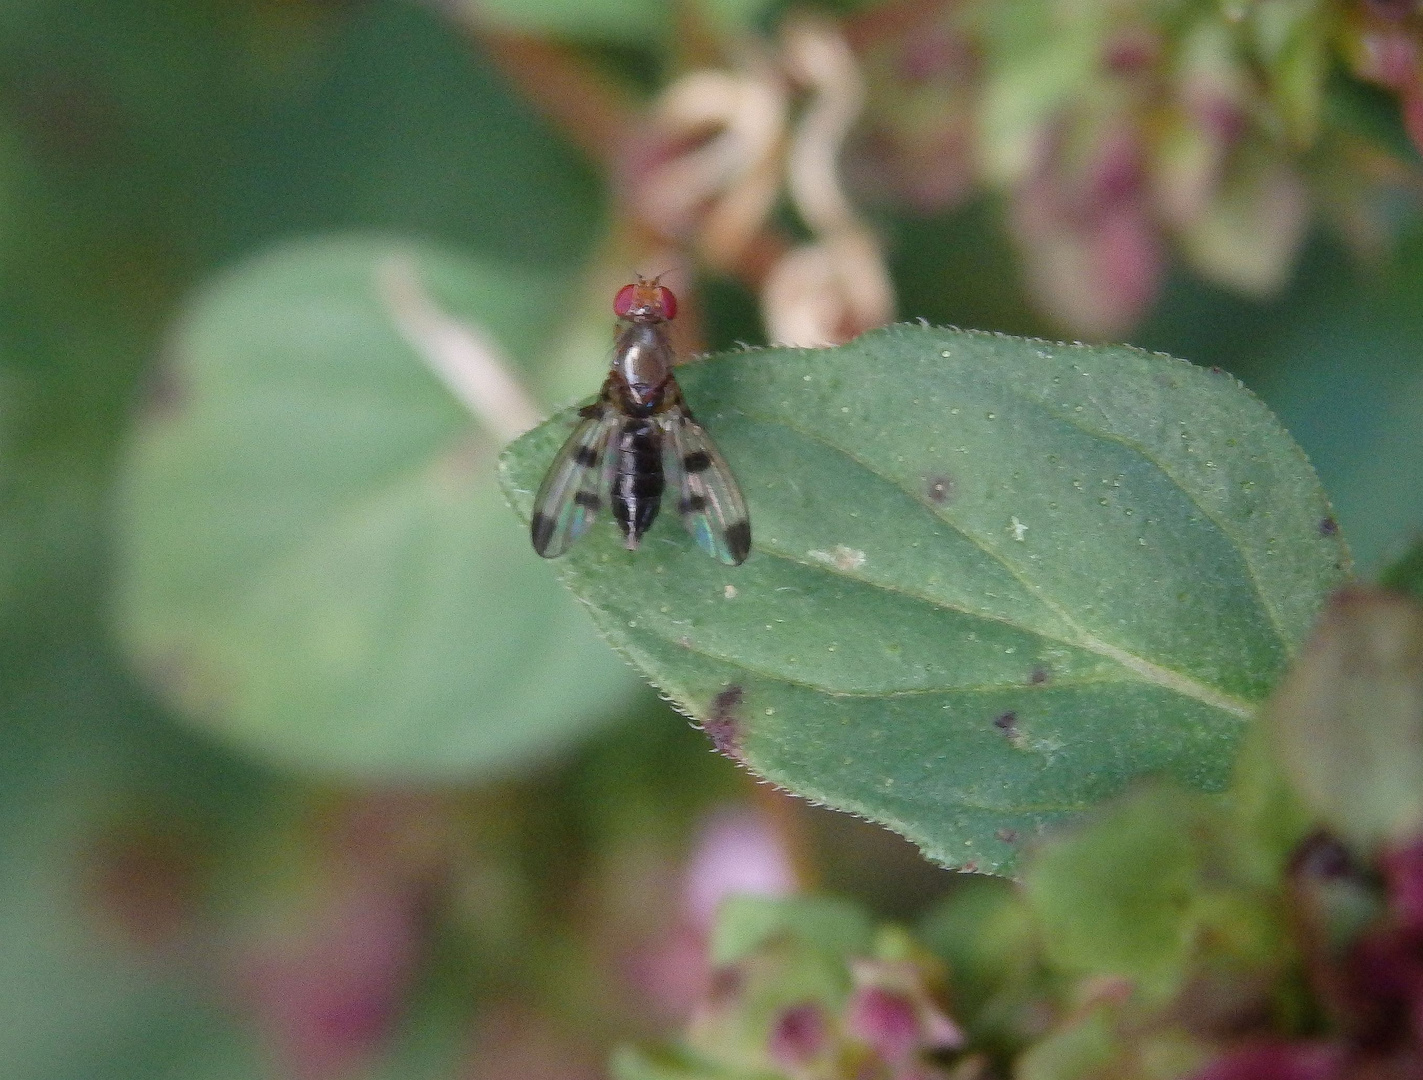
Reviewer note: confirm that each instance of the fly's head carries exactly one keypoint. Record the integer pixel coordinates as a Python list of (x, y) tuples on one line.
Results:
[(645, 301)]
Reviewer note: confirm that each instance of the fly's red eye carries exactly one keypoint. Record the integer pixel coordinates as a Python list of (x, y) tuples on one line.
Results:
[(668, 301), (623, 302)]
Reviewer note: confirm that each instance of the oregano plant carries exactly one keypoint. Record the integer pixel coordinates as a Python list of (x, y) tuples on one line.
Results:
[(313, 769), (995, 580), (1270, 931)]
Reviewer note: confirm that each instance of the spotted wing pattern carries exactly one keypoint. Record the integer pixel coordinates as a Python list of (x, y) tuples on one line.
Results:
[(577, 485), (709, 501)]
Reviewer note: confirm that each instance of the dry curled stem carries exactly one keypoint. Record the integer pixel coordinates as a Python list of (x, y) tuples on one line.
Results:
[(466, 359)]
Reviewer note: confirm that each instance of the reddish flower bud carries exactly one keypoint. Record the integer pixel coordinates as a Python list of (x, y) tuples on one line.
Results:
[(888, 1022), (800, 1035)]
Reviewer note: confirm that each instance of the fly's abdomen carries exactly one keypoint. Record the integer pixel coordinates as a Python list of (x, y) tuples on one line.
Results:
[(637, 486)]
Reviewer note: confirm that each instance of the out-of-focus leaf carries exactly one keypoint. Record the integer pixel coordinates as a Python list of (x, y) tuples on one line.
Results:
[(746, 923), (1040, 64), (1248, 236), (634, 22), (78, 998), (1117, 898), (1348, 719), (993, 579), (400, 123), (1078, 1050), (637, 1063), (314, 561), (1267, 821), (1353, 391), (1406, 575), (984, 932)]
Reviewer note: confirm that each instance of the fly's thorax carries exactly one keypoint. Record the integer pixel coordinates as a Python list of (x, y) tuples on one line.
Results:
[(643, 357)]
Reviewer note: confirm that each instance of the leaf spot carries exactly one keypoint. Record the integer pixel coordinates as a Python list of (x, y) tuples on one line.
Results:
[(1328, 527), (939, 489), (1047, 747), (1039, 675), (1008, 724), (729, 592), (721, 725), (1008, 836), (841, 557)]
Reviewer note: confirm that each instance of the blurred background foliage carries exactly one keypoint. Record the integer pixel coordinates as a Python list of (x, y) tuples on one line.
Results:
[(310, 770)]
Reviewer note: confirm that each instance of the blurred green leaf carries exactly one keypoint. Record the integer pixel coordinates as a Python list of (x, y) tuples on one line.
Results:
[(1406, 575), (1081, 1049), (746, 923), (633, 22), (1353, 388), (1267, 821), (984, 932), (667, 1063), (636, 22), (400, 122), (314, 560), (78, 998), (1347, 721), (994, 579), (1118, 897)]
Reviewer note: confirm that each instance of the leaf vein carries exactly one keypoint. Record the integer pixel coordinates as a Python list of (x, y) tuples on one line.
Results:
[(1148, 670), (1134, 445)]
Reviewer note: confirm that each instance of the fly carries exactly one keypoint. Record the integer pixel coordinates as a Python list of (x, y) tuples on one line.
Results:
[(635, 442)]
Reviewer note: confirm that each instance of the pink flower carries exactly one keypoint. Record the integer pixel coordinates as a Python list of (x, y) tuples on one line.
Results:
[(892, 1011), (738, 851)]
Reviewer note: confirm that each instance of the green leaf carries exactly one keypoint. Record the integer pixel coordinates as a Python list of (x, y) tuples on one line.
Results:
[(637, 1063), (634, 22), (314, 561), (407, 128), (1120, 897), (78, 997), (994, 580), (1267, 821), (1082, 1049), (985, 934), (1347, 722), (746, 923), (1406, 574)]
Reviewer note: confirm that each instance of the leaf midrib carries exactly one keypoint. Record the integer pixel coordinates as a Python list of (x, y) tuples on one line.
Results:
[(1146, 669), (1237, 542), (1139, 448)]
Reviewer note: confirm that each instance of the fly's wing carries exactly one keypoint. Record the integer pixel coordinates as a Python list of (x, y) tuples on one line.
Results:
[(576, 486), (709, 501)]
